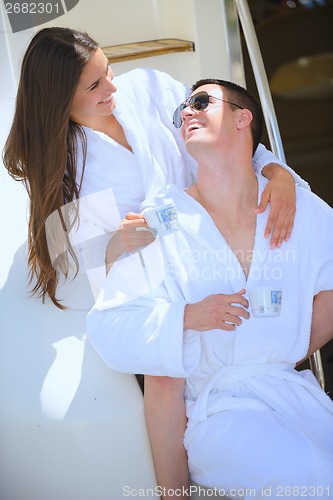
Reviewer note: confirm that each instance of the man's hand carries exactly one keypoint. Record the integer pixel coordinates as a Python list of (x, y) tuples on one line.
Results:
[(280, 192), (217, 311)]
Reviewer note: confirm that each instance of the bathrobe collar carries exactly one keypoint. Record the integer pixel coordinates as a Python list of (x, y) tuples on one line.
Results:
[(196, 222)]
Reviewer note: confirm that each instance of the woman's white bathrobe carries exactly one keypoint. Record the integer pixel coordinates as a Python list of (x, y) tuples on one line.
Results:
[(117, 181), (254, 422)]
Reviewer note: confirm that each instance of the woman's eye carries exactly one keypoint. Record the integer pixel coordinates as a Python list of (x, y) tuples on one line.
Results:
[(94, 86)]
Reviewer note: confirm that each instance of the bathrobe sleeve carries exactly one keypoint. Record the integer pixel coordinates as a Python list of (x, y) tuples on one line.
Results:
[(98, 219), (263, 157), (317, 216), (136, 325)]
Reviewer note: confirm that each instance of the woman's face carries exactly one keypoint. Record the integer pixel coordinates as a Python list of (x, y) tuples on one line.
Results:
[(94, 93)]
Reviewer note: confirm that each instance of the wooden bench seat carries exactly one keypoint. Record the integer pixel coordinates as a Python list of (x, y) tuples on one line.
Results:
[(149, 48)]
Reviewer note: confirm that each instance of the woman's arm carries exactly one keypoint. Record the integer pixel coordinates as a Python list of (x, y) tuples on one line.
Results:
[(280, 192)]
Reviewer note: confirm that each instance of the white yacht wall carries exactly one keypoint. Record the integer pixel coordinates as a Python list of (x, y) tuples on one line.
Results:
[(112, 22)]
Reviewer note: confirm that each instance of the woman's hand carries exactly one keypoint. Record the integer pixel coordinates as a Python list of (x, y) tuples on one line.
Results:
[(280, 192), (217, 311), (132, 235)]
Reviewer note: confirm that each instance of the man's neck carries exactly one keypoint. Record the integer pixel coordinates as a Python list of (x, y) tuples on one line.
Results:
[(226, 187), (230, 196)]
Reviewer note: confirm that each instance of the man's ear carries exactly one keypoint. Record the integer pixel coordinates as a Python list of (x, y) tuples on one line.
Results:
[(244, 118)]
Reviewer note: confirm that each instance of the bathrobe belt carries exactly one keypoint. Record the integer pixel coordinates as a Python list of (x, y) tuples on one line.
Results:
[(200, 408)]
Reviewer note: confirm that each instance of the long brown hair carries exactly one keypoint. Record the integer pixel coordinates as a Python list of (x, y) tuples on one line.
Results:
[(41, 149)]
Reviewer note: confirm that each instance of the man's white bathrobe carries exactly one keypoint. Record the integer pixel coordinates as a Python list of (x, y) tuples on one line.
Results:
[(116, 180), (254, 422)]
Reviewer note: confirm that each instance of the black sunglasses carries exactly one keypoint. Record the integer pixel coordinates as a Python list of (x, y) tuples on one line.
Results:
[(198, 102)]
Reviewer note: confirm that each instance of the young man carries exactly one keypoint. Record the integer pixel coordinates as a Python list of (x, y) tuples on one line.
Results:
[(256, 426)]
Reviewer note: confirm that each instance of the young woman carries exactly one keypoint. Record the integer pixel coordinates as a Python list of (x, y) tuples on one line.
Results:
[(72, 137)]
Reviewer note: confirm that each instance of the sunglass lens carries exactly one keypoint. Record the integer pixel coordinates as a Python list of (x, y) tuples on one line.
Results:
[(200, 101), (177, 119)]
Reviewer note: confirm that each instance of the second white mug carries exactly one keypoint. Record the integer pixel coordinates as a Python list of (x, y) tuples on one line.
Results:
[(265, 301)]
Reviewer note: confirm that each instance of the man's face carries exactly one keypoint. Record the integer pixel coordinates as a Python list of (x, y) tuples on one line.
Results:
[(210, 126)]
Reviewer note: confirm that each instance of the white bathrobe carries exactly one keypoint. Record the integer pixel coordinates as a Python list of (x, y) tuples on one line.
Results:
[(254, 422), (117, 181)]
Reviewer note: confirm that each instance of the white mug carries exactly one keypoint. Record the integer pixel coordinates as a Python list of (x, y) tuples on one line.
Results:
[(265, 301), (164, 219)]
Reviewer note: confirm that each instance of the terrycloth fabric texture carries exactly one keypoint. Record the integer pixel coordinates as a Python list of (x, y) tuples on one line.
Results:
[(253, 420)]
